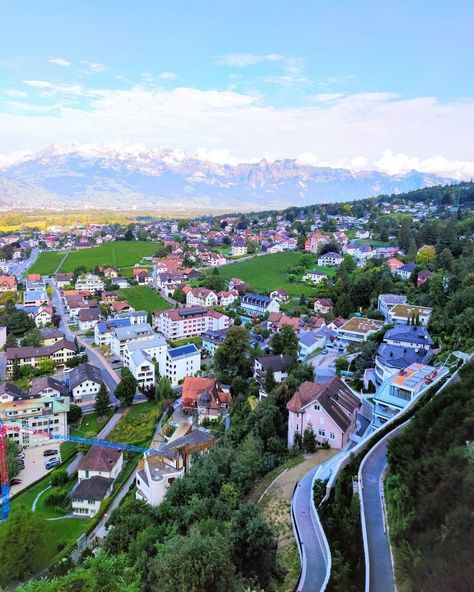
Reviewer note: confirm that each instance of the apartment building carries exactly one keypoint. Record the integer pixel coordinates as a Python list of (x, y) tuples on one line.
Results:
[(89, 283), (181, 362), (123, 335), (59, 353), (179, 323)]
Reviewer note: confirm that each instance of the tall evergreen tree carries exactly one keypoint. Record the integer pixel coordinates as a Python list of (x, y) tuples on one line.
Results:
[(102, 401)]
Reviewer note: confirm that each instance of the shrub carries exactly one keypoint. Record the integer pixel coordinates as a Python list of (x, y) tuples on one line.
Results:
[(59, 477), (56, 497)]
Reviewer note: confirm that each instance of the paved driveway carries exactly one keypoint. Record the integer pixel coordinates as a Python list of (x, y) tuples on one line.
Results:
[(326, 360), (34, 465)]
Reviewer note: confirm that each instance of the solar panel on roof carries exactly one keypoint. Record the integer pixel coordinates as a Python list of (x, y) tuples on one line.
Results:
[(187, 313)]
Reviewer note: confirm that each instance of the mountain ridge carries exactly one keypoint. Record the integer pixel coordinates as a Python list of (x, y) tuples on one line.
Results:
[(169, 179)]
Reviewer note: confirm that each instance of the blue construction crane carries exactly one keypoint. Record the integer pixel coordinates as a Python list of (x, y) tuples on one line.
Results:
[(4, 477)]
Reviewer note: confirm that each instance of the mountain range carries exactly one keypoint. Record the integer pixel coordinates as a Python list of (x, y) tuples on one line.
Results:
[(173, 181)]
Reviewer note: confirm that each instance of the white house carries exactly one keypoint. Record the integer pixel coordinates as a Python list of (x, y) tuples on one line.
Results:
[(405, 313), (201, 297), (314, 276), (358, 329), (255, 304), (140, 357), (309, 342), (100, 461), (182, 361), (405, 271), (180, 323), (239, 247), (330, 259), (263, 364), (89, 283), (387, 301), (123, 335), (84, 383)]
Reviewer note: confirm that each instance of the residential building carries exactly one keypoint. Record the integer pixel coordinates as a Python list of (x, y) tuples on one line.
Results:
[(330, 259), (211, 341), (255, 304), (263, 364), (405, 271), (88, 495), (35, 297), (181, 362), (400, 389), (136, 317), (3, 336), (7, 283), (227, 298), (123, 335), (59, 353), (140, 357), (358, 329), (422, 277), (100, 461), (63, 279), (90, 283), (279, 295), (216, 260), (329, 409), (205, 397), (201, 297), (239, 247), (158, 471), (47, 386), (314, 276), (394, 265), (88, 318), (309, 342), (103, 330), (406, 313), (41, 315), (180, 323), (46, 415), (84, 383), (323, 305), (315, 241), (50, 335), (387, 301)]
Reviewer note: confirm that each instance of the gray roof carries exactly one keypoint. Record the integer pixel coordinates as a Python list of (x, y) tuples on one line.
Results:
[(154, 340), (84, 372), (393, 298), (41, 382), (396, 356), (409, 333), (194, 437), (95, 489), (276, 363), (132, 331), (11, 389)]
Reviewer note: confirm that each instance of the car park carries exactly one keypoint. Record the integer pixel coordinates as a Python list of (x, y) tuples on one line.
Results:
[(50, 452), (51, 463)]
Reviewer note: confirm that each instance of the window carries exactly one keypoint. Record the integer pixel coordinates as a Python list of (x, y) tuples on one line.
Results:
[(317, 407), (332, 436), (321, 433)]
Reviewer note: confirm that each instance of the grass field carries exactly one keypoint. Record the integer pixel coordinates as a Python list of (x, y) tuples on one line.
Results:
[(138, 425), (118, 254), (47, 262), (269, 272), (144, 298)]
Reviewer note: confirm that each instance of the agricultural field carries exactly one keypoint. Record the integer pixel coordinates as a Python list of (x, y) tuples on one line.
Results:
[(47, 262), (269, 272), (116, 253), (144, 298)]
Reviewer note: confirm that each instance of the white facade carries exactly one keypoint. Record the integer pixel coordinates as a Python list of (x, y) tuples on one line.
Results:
[(154, 480), (181, 362), (201, 297), (86, 391), (89, 283), (123, 335), (181, 323), (330, 259)]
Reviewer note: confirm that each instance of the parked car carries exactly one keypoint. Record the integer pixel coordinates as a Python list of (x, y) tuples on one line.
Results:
[(115, 361), (51, 463), (324, 351), (50, 452), (20, 455), (15, 482)]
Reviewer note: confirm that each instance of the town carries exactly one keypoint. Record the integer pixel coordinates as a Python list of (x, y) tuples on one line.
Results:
[(147, 366)]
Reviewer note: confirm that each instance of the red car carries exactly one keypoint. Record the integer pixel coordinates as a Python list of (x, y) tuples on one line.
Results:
[(15, 482)]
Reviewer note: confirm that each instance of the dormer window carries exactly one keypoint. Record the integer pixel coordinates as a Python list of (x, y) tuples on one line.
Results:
[(317, 407)]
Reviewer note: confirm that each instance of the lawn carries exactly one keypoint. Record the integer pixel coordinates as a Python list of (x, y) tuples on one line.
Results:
[(89, 428), (138, 425), (269, 272), (47, 262), (144, 298), (116, 253)]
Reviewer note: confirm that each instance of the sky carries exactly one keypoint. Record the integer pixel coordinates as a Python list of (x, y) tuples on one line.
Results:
[(354, 83)]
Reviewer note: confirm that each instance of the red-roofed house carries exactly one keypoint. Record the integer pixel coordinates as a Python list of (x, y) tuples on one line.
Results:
[(7, 283), (329, 408), (206, 396)]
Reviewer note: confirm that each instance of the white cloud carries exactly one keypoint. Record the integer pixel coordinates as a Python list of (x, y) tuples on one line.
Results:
[(15, 93), (60, 62), (168, 76), (241, 60), (334, 130), (94, 67)]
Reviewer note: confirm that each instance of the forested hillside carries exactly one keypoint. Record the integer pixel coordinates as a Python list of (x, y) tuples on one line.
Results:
[(430, 493)]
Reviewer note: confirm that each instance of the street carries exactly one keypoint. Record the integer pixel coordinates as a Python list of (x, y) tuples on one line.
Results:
[(18, 269)]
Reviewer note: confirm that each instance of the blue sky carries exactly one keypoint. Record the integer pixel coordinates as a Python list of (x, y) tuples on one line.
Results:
[(353, 83)]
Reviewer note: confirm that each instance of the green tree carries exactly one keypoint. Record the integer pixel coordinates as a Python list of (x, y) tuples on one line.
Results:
[(179, 295), (446, 259), (309, 439), (343, 307), (426, 256), (412, 250), (22, 545), (405, 236), (270, 382), (102, 401), (285, 342), (195, 563), (127, 387), (16, 371), (74, 414), (32, 338), (164, 390), (234, 357)]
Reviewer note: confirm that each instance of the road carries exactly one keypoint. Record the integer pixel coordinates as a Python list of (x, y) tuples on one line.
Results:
[(314, 568), (111, 378), (381, 576), (18, 269)]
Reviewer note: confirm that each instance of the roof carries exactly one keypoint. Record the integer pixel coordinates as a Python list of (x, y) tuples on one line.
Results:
[(88, 314), (104, 326), (331, 255), (411, 377), (309, 338), (194, 437), (49, 333), (409, 333), (154, 340), (324, 302), (256, 299), (392, 299), (183, 351), (94, 489), (397, 356), (39, 352), (409, 267), (84, 372), (11, 389), (277, 363), (361, 325), (334, 397), (180, 314), (41, 382), (132, 331), (194, 387), (409, 310), (100, 458)]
